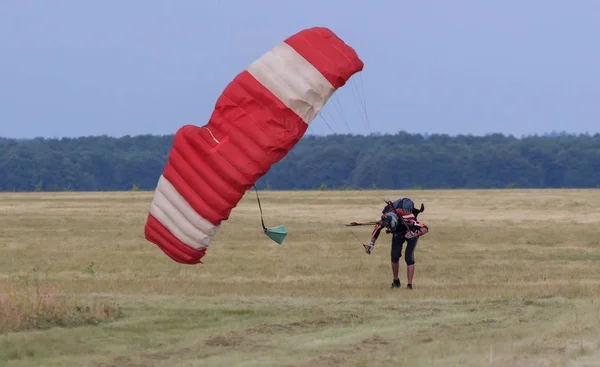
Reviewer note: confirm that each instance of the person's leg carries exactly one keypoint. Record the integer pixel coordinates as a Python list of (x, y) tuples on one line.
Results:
[(395, 269), (395, 254), (410, 272), (409, 257)]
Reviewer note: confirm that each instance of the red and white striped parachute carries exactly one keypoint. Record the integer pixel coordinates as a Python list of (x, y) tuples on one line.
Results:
[(261, 114)]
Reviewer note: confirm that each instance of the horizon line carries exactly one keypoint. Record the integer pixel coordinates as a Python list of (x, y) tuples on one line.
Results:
[(553, 133)]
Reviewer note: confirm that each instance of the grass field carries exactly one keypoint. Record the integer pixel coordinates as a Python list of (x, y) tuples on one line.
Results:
[(504, 278)]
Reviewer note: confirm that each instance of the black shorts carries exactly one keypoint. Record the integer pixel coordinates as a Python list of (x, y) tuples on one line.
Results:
[(396, 252)]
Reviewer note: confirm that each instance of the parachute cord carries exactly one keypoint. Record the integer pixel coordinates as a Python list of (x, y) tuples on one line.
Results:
[(364, 100), (358, 92), (338, 108), (355, 235), (260, 208), (332, 117), (327, 123), (360, 104)]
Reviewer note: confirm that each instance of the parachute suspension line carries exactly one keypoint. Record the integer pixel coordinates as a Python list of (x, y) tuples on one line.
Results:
[(364, 100), (326, 123), (336, 104), (331, 116), (355, 235), (358, 92), (360, 107), (334, 119), (262, 222)]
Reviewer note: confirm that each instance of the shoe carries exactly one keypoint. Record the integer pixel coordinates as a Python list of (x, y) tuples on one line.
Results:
[(409, 286), (396, 284)]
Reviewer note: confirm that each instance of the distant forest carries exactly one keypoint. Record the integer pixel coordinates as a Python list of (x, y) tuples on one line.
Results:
[(393, 161)]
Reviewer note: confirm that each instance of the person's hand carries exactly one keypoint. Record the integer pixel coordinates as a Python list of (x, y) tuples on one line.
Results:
[(411, 234), (415, 225)]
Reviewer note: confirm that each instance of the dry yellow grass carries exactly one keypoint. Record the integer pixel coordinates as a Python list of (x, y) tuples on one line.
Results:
[(504, 278), (26, 303)]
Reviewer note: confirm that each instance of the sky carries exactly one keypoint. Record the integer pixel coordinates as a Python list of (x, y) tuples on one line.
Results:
[(80, 68)]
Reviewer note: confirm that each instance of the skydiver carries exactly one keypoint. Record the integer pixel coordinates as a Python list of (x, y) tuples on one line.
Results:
[(406, 229)]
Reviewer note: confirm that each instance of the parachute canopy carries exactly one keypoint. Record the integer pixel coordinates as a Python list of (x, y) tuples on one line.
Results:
[(260, 115)]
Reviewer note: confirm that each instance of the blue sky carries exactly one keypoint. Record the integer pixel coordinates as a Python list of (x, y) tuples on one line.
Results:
[(79, 68)]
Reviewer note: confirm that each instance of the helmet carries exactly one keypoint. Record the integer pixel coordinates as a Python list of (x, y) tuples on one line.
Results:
[(390, 220)]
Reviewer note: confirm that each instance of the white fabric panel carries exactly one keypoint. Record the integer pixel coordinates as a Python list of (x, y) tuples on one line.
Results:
[(173, 212), (294, 80)]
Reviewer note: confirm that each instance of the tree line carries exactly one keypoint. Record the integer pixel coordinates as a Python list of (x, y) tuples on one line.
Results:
[(391, 161)]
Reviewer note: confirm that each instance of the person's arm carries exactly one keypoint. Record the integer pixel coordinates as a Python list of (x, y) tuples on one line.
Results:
[(374, 235), (417, 229)]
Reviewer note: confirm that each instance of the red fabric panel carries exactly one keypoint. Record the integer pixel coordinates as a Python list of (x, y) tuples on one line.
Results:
[(157, 233), (213, 177), (336, 60)]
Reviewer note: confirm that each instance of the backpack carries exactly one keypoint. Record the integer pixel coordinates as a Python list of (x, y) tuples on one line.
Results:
[(405, 205)]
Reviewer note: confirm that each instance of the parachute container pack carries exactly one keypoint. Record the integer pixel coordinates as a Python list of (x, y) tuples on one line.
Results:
[(260, 115)]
